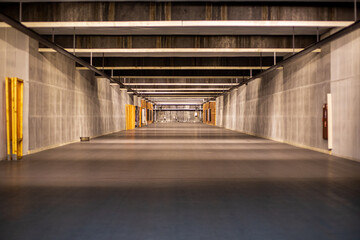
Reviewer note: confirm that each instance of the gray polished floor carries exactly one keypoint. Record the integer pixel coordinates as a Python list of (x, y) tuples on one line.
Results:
[(179, 181)]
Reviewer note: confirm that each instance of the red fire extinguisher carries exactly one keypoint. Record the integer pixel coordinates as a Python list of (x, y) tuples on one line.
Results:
[(325, 122)]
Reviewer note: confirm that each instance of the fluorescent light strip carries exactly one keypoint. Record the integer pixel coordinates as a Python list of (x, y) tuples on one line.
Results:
[(176, 89), (178, 103), (178, 50), (149, 24), (180, 68), (182, 84)]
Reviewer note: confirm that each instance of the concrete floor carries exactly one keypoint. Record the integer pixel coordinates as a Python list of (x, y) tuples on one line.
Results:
[(179, 181)]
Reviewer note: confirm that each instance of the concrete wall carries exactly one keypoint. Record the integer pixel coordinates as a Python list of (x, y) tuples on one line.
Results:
[(14, 62), (66, 103), (137, 101), (345, 92), (60, 103), (286, 104)]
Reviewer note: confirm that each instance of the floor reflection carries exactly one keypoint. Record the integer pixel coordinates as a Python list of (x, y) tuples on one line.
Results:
[(192, 182)]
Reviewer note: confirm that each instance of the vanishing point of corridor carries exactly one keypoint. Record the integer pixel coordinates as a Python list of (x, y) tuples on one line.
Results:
[(179, 181)]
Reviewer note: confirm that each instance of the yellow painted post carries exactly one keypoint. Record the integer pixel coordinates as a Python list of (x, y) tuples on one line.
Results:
[(8, 117), (130, 117), (133, 115), (127, 116), (13, 119), (139, 117), (19, 95)]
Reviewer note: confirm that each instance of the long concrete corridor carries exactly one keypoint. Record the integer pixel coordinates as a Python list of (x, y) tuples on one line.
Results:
[(179, 181)]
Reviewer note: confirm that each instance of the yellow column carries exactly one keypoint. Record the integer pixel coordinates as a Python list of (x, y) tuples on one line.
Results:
[(132, 117), (8, 117), (127, 116), (13, 119), (19, 100)]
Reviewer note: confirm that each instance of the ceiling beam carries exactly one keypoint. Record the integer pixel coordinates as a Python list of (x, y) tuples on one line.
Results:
[(179, 68), (183, 72), (202, 27), (177, 52), (196, 23)]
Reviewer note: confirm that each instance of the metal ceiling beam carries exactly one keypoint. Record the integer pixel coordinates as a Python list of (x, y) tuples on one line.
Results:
[(177, 72), (178, 52), (179, 68), (186, 23), (184, 27)]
